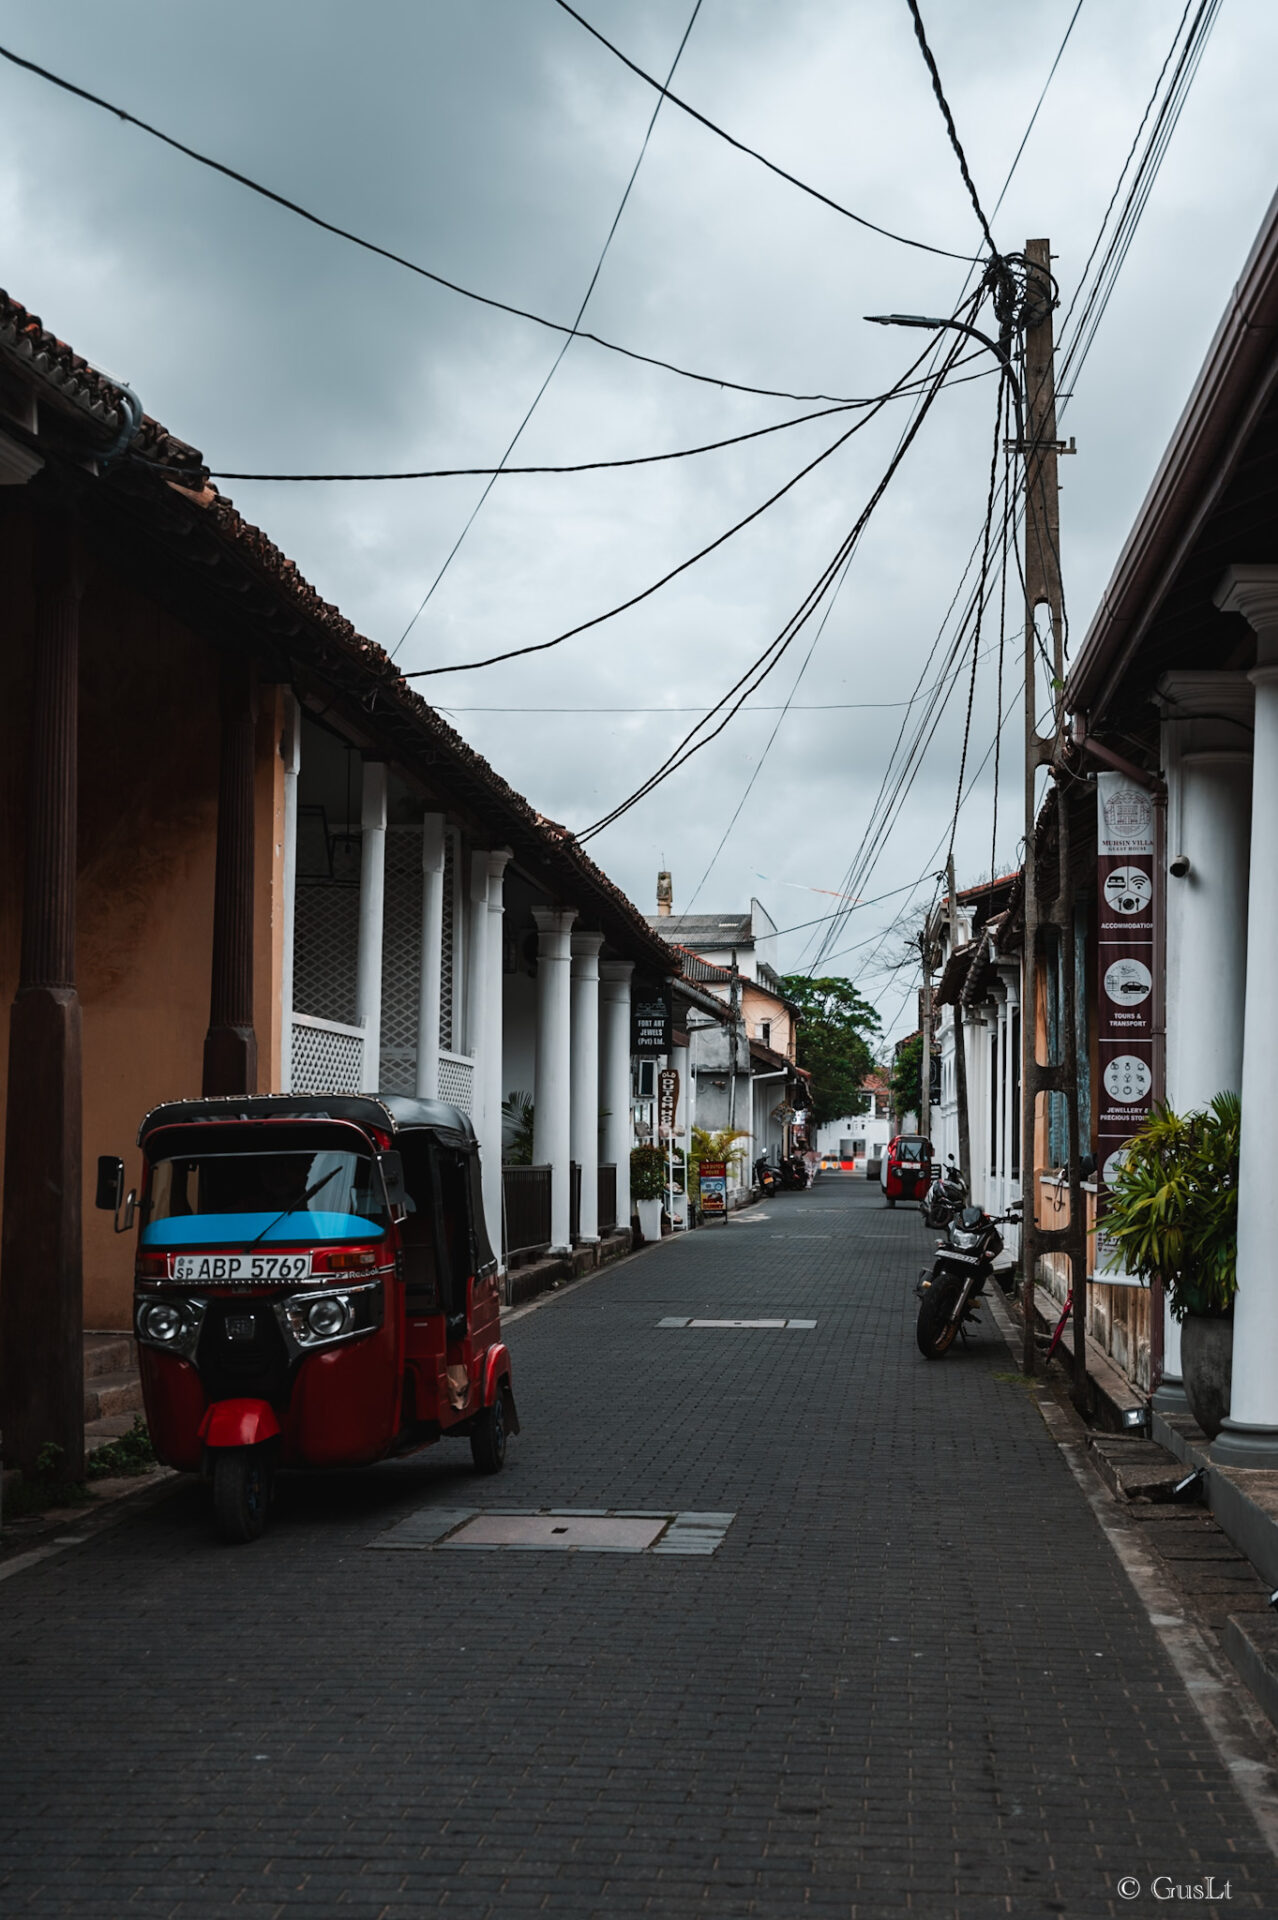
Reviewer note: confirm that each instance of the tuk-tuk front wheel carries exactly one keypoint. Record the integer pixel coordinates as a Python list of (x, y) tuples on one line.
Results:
[(488, 1437), (241, 1492)]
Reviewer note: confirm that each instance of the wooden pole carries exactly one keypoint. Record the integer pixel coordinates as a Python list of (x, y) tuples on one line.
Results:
[(230, 1046), (41, 1273)]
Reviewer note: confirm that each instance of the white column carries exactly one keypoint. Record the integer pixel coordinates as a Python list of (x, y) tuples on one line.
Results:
[(552, 1081), (476, 986), (488, 1067), (1249, 1437), (585, 1076), (430, 972), (1206, 751), (372, 910), (291, 754), (614, 1076)]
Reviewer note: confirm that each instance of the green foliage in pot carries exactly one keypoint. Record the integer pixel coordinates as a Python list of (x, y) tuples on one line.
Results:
[(724, 1145), (1172, 1211), (517, 1130), (647, 1173)]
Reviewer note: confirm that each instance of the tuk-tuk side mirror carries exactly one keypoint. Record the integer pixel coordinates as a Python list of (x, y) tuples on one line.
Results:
[(396, 1192), (110, 1183), (110, 1194)]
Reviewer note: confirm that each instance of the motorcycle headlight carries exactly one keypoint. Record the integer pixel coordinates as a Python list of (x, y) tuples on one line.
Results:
[(965, 1242), (327, 1316), (161, 1321)]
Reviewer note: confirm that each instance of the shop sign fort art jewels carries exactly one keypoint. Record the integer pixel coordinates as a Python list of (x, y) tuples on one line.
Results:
[(1127, 880)]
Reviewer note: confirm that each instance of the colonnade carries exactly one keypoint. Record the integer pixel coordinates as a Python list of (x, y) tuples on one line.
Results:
[(1220, 754)]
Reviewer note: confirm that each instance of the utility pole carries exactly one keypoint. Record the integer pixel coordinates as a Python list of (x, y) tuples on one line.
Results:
[(960, 1049), (1040, 1077), (925, 1065)]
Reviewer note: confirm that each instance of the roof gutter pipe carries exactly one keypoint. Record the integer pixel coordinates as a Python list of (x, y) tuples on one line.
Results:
[(1080, 737)]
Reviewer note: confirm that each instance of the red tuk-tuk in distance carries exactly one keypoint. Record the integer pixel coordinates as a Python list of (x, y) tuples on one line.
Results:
[(905, 1171), (314, 1288)]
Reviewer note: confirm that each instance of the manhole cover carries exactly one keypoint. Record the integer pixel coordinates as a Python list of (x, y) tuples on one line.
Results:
[(767, 1326), (564, 1530), (607, 1534)]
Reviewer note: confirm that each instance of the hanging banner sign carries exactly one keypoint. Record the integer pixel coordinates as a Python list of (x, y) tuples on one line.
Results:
[(651, 1021), (713, 1180), (1126, 878), (667, 1100)]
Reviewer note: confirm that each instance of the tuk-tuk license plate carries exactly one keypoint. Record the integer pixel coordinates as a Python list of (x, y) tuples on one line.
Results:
[(210, 1269)]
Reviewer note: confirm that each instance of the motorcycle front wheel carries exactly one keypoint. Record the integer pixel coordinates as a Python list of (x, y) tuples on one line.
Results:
[(935, 1331)]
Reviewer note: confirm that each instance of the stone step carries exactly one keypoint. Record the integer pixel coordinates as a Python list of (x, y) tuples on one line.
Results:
[(112, 1426), (1251, 1641), (1137, 1469), (112, 1393), (108, 1353)]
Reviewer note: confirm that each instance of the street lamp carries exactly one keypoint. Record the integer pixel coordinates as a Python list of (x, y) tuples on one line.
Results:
[(1001, 349)]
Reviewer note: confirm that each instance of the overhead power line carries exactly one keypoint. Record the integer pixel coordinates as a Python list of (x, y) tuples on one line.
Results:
[(753, 152), (597, 620), (388, 253), (901, 391), (765, 662), (556, 363), (948, 117)]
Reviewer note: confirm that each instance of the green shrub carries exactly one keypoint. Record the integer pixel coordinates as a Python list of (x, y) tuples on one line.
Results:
[(647, 1173), (1172, 1211), (131, 1454)]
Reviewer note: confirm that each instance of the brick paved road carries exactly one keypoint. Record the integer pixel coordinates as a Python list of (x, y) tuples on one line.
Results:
[(913, 1679)]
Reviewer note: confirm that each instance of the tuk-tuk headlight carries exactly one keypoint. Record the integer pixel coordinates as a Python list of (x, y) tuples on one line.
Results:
[(162, 1321), (328, 1316), (173, 1325), (309, 1320)]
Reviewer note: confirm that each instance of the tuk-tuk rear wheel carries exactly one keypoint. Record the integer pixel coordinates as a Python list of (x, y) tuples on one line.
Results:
[(488, 1437), (241, 1493)]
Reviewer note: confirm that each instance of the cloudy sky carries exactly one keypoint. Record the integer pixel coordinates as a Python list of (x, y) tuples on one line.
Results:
[(491, 140)]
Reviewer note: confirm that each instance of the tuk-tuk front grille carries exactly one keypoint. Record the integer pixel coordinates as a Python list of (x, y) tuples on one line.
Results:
[(242, 1354)]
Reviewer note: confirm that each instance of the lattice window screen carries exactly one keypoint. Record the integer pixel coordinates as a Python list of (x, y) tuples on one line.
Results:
[(325, 949), (447, 968), (457, 1082), (401, 959), (326, 1062)]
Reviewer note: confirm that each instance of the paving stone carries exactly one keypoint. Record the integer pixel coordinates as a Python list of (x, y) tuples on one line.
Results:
[(911, 1679)]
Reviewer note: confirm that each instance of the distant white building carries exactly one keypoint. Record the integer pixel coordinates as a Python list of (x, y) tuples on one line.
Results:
[(859, 1139)]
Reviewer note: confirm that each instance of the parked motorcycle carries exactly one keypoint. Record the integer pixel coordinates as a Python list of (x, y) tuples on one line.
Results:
[(794, 1173), (766, 1177), (946, 1196), (949, 1290)]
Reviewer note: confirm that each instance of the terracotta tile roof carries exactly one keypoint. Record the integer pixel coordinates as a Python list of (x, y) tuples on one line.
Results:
[(161, 469), (695, 968)]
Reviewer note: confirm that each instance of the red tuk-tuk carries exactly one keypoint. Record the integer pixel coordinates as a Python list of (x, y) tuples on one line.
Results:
[(905, 1170), (314, 1288)]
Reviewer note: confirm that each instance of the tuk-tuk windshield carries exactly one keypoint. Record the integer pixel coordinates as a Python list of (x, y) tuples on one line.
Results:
[(222, 1198), (912, 1152)]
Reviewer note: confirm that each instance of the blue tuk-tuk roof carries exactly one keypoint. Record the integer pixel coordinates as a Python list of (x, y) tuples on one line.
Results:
[(388, 1112)]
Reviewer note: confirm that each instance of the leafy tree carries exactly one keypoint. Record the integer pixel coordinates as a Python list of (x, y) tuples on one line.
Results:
[(834, 1042), (907, 1077)]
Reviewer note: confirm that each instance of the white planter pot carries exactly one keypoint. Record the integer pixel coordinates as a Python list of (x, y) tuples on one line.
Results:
[(649, 1212)]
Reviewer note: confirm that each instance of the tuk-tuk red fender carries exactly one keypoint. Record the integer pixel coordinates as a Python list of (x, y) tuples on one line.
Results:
[(238, 1423), (496, 1363)]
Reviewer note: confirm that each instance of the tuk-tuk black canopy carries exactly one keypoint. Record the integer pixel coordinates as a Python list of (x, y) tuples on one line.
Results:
[(388, 1112)]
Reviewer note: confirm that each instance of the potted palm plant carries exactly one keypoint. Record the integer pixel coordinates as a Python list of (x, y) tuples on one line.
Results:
[(647, 1185), (1173, 1212)]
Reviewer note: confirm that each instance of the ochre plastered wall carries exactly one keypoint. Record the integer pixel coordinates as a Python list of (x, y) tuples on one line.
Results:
[(149, 745)]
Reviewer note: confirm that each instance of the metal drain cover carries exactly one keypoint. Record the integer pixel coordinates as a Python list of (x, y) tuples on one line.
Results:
[(769, 1326), (600, 1534), (563, 1530)]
